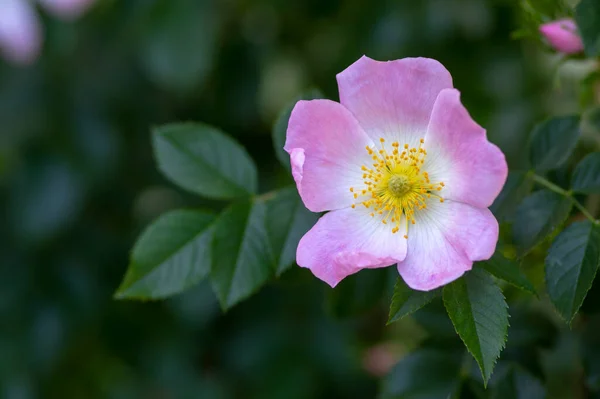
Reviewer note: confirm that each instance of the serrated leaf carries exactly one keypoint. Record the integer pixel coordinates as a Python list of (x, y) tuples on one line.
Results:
[(241, 257), (204, 160), (518, 185), (553, 141), (537, 217), (479, 314), (586, 178), (425, 373), (171, 255), (587, 16), (406, 301), (280, 127), (501, 267), (571, 266), (287, 221)]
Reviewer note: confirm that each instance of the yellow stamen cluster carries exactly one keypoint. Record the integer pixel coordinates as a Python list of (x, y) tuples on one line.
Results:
[(395, 187)]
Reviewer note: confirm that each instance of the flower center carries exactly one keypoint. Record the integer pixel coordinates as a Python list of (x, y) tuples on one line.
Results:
[(395, 186), (399, 185)]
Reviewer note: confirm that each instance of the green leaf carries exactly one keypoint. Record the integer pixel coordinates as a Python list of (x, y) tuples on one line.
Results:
[(280, 127), (587, 16), (204, 160), (241, 258), (586, 178), (406, 301), (287, 221), (571, 266), (537, 217), (479, 313), (425, 373), (171, 255), (553, 141), (507, 270), (518, 185)]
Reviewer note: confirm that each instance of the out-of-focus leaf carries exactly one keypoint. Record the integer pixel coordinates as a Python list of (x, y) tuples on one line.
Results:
[(241, 257), (553, 141), (406, 301), (287, 221), (586, 178), (587, 15), (179, 49), (517, 187), (171, 255), (358, 293), (518, 384), (571, 266), (507, 270), (281, 124), (537, 217), (479, 313), (204, 160), (425, 373)]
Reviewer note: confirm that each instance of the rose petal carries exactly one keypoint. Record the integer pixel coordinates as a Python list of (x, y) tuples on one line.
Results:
[(443, 243), (563, 36), (327, 148), (346, 241), (20, 32), (459, 154), (67, 9), (393, 100)]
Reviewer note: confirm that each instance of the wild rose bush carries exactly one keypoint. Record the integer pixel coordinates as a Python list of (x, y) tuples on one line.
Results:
[(420, 222), (406, 177)]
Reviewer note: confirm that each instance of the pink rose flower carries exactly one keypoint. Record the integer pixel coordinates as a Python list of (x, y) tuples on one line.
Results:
[(66, 9), (562, 36), (406, 173), (20, 30)]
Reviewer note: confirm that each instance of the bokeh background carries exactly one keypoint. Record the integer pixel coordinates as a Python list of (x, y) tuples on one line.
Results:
[(78, 184)]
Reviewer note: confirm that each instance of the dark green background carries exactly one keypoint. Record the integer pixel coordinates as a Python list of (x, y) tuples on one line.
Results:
[(78, 183)]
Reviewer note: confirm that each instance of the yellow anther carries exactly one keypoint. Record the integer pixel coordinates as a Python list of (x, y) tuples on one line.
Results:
[(395, 185)]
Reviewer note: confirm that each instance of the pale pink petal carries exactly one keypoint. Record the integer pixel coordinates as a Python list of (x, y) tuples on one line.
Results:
[(346, 241), (563, 36), (67, 9), (327, 149), (459, 154), (443, 243), (297, 161), (393, 100), (20, 32)]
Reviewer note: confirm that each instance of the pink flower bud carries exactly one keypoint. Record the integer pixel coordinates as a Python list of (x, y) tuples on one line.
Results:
[(66, 9), (20, 32), (562, 36)]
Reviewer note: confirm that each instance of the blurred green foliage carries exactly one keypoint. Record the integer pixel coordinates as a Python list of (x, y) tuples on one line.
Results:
[(78, 183)]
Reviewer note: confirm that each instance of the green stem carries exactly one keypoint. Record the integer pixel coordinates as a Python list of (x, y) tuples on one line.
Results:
[(549, 185), (559, 190)]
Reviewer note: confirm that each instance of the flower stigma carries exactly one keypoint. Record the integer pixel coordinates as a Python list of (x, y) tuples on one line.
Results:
[(395, 186)]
